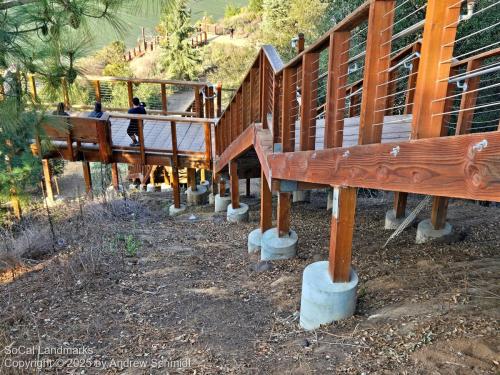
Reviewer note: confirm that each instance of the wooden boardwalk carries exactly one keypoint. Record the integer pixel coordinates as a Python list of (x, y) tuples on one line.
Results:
[(157, 135)]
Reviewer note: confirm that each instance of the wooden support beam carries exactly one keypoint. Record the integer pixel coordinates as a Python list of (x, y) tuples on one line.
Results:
[(197, 102), (208, 141), (400, 200), (338, 66), (266, 204), (432, 82), (276, 107), (176, 187), (235, 188), (254, 94), (284, 205), (115, 180), (341, 233), (439, 211), (459, 166), (434, 68), (203, 176), (219, 99), (191, 176), (376, 75), (47, 176), (87, 176), (309, 102), (412, 80)]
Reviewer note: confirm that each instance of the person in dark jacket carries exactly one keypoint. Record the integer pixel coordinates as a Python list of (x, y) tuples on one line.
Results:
[(133, 128), (97, 112), (60, 110)]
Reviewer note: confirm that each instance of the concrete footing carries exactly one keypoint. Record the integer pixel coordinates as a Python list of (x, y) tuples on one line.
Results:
[(301, 196), (237, 215), (197, 197), (150, 188), (221, 203), (172, 211), (254, 241), (324, 301), (391, 222), (211, 198), (426, 231), (275, 247)]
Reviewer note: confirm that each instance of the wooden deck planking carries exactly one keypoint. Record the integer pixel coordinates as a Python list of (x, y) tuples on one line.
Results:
[(395, 129)]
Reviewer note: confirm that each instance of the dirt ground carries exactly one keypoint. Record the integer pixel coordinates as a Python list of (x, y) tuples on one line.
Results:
[(192, 294)]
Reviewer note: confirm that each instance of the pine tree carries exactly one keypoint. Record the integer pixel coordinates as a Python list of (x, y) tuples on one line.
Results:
[(179, 59), (43, 37)]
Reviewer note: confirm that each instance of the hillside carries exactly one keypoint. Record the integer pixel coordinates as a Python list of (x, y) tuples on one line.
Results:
[(132, 23)]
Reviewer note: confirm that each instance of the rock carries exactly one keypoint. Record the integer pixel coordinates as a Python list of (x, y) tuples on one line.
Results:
[(263, 266)]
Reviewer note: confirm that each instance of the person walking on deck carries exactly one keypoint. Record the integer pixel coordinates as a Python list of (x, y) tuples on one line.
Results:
[(133, 128)]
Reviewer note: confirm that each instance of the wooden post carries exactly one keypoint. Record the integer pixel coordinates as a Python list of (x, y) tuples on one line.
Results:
[(197, 102), (130, 91), (266, 204), (176, 188), (191, 176), (219, 99), (235, 189), (434, 68), (336, 88), (208, 141), (341, 233), (47, 175), (115, 180), (87, 176), (175, 163), (300, 43), (142, 146), (247, 192), (254, 94), (97, 88), (412, 81), (439, 211), (203, 176), (432, 81), (469, 98), (284, 205), (276, 107), (289, 112), (376, 74), (164, 101), (310, 68), (400, 200)]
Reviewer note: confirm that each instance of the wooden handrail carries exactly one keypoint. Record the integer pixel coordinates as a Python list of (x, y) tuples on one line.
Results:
[(146, 80)]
